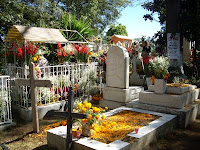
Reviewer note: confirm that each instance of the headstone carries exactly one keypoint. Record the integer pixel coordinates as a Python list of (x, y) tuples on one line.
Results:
[(135, 78), (117, 91), (117, 69)]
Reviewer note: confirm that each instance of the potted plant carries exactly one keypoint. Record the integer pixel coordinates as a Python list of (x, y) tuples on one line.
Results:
[(160, 65)]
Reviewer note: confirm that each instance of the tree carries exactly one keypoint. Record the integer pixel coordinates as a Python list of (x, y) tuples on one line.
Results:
[(117, 30), (100, 12), (190, 13), (42, 13)]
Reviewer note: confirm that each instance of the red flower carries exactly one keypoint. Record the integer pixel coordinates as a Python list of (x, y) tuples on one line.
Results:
[(82, 49), (20, 53), (145, 60), (30, 48), (59, 46), (77, 48), (35, 49), (86, 49), (127, 48), (59, 53), (71, 53), (64, 53)]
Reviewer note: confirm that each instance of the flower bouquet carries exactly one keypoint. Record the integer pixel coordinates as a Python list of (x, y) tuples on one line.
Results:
[(94, 115), (160, 65)]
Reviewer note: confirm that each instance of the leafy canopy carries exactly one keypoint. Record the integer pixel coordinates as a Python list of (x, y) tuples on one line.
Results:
[(117, 30)]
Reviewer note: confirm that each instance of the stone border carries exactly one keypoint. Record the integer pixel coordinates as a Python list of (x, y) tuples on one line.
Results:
[(87, 143)]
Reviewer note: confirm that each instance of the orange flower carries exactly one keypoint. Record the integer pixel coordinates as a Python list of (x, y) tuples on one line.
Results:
[(168, 74), (106, 108), (96, 110), (88, 105), (97, 117), (166, 77), (103, 116), (83, 109), (64, 123), (84, 120), (89, 117)]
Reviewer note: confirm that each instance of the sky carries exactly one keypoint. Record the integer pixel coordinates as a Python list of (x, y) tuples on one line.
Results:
[(132, 18)]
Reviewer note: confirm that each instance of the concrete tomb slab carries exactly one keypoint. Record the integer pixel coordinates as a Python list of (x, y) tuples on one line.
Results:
[(186, 115), (169, 100), (146, 135)]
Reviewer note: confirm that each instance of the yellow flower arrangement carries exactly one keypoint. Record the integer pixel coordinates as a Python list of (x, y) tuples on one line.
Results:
[(94, 113)]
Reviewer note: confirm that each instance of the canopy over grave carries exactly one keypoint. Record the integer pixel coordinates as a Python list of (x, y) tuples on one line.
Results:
[(120, 38), (34, 34)]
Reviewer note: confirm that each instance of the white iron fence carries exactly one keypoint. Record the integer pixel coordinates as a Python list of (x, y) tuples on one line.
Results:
[(84, 78), (5, 100)]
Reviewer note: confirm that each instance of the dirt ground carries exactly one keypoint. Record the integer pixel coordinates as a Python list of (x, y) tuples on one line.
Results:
[(22, 138)]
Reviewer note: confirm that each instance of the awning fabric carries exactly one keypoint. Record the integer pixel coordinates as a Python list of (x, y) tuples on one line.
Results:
[(115, 38), (34, 34)]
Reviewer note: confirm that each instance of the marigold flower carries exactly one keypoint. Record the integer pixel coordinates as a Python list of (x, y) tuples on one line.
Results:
[(34, 59), (88, 105), (96, 110), (84, 120), (79, 105), (106, 108), (97, 117), (85, 102), (83, 109), (103, 117), (89, 117), (36, 69), (104, 124)]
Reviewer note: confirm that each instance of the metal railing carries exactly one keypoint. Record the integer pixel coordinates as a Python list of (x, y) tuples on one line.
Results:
[(84, 78), (5, 100)]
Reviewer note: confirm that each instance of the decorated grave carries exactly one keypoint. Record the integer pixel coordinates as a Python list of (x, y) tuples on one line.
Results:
[(113, 134), (178, 99), (25, 48)]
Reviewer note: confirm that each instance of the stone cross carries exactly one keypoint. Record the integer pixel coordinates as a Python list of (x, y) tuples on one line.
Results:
[(70, 115), (33, 83)]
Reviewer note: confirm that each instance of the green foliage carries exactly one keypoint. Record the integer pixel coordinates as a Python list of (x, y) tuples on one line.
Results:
[(83, 26), (189, 14), (117, 30), (100, 12), (42, 13)]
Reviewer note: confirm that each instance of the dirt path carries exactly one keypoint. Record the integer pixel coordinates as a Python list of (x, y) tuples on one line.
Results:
[(21, 137)]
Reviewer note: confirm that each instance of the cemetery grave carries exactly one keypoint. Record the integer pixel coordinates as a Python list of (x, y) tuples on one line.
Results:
[(155, 114)]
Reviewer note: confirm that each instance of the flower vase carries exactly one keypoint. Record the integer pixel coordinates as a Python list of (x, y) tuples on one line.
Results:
[(160, 86), (149, 81), (86, 129)]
